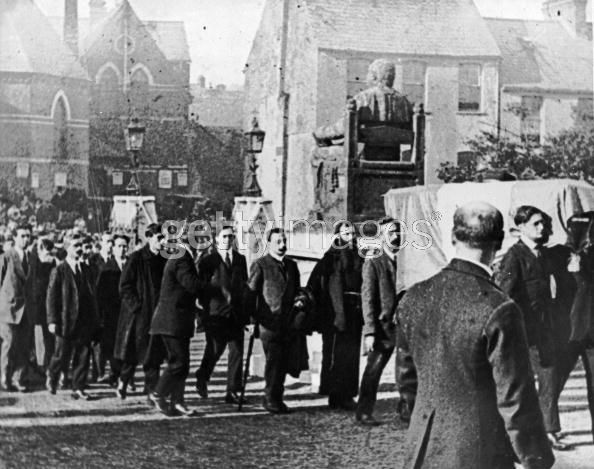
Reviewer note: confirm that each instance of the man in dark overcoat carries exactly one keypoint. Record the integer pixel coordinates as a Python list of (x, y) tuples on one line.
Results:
[(274, 282), (140, 286), (525, 277), (109, 303), (72, 317), (173, 326), (379, 301), (476, 403), (224, 316), (335, 283)]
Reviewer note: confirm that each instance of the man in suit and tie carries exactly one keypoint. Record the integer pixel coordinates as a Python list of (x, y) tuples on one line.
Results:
[(109, 303), (525, 276), (274, 282), (16, 325), (224, 317), (173, 326), (379, 300), (476, 403), (72, 318)]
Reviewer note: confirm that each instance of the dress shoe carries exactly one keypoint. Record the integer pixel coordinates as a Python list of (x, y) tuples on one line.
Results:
[(404, 410), (556, 442), (271, 407), (20, 388), (201, 388), (367, 420), (80, 394), (235, 398), (342, 403), (284, 409), (158, 402), (9, 387), (181, 409)]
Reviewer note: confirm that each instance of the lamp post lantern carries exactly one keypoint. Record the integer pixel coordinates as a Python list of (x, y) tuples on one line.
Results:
[(254, 145), (134, 134)]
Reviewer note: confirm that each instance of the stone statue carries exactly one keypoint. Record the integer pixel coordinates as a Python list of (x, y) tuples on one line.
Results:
[(380, 104)]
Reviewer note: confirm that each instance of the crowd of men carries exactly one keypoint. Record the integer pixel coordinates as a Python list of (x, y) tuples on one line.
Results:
[(468, 341)]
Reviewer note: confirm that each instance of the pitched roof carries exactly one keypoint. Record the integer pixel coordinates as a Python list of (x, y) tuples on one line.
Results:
[(29, 44), (420, 27), (541, 56), (170, 36)]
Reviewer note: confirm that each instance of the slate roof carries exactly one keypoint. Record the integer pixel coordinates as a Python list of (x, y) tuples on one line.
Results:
[(170, 36), (542, 56), (29, 44), (419, 27)]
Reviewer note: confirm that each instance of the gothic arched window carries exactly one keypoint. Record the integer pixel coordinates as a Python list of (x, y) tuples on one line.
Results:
[(139, 91), (108, 92)]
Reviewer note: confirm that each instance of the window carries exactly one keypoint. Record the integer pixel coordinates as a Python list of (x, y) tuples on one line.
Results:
[(469, 87), (139, 91), (584, 111), (60, 130), (357, 76), (467, 158), (413, 81), (108, 93), (530, 118)]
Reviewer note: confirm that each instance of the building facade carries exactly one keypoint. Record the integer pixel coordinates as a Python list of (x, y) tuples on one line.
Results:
[(44, 105)]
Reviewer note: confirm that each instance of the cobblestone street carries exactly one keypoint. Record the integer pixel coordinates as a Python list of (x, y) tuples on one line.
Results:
[(40, 430)]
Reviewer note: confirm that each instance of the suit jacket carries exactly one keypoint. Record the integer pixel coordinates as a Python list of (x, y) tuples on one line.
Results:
[(476, 390), (379, 299), (63, 304), (108, 294), (176, 310), (13, 288), (225, 300), (274, 285), (140, 285), (582, 311), (526, 279)]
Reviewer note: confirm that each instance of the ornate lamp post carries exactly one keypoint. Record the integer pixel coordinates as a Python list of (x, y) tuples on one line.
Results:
[(134, 134), (254, 145)]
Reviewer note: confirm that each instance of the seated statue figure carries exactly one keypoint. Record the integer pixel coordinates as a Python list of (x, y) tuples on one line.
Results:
[(380, 104)]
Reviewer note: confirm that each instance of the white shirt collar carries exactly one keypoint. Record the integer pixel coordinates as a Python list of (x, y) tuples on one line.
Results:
[(223, 253), (528, 242), (391, 254), (486, 268), (72, 264), (20, 252), (278, 258), (120, 263)]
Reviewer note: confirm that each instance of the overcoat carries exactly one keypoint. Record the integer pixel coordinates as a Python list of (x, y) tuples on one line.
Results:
[(582, 312), (63, 308), (176, 310), (108, 301), (140, 285), (476, 391)]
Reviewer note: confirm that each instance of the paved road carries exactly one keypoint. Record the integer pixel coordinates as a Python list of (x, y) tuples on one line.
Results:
[(39, 409)]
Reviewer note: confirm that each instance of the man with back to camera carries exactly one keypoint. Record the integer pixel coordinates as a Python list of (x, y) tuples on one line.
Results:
[(476, 405), (224, 317), (524, 275)]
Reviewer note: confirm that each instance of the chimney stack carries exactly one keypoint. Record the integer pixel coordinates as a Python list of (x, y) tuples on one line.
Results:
[(71, 25), (97, 12), (202, 81), (572, 14)]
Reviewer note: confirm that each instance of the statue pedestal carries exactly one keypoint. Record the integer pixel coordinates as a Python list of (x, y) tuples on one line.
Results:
[(253, 217)]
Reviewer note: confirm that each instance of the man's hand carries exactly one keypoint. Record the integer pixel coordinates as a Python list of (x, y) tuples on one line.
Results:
[(369, 340), (250, 329), (52, 329)]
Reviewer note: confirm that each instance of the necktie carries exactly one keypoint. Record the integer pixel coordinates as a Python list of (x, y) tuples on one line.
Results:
[(228, 259), (25, 263)]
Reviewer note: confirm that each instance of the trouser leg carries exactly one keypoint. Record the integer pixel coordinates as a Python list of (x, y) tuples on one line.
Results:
[(215, 346), (327, 348), (49, 341), (173, 379), (588, 361), (275, 370), (344, 365), (547, 392), (7, 337), (154, 356), (80, 365), (234, 363), (376, 362), (60, 359)]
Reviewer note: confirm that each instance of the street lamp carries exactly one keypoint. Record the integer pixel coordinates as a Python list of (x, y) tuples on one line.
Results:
[(255, 143), (134, 134)]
